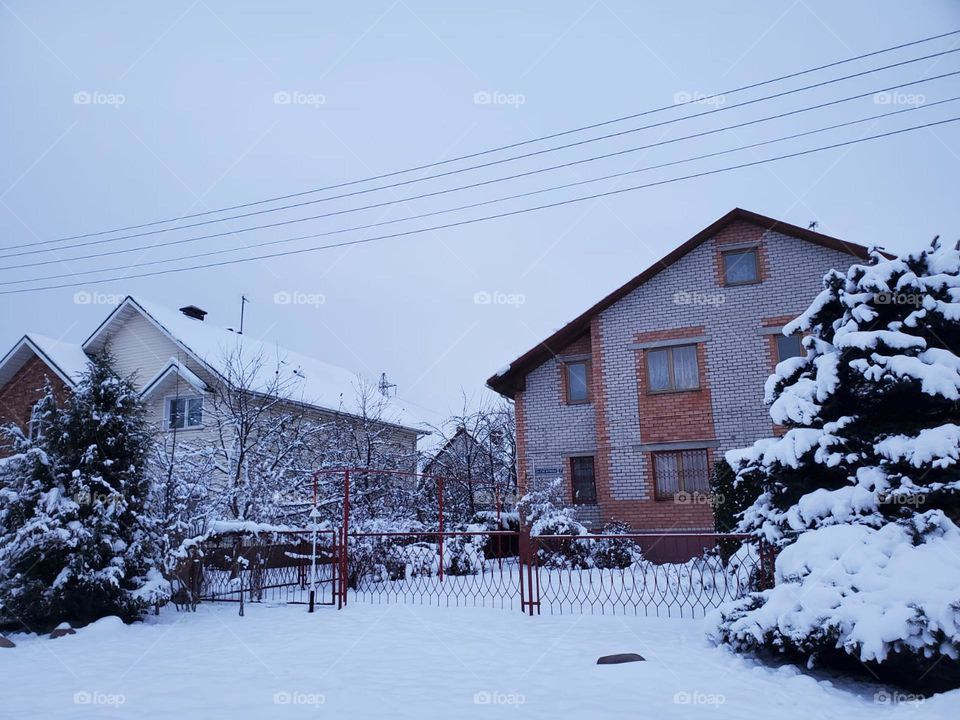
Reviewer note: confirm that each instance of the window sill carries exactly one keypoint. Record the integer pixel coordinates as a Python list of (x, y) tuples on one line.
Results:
[(193, 428), (573, 403), (674, 392), (741, 284)]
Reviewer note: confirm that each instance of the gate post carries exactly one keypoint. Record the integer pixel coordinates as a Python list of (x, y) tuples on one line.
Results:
[(529, 585), (768, 560), (344, 542)]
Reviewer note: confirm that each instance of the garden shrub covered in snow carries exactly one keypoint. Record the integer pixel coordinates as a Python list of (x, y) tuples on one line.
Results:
[(862, 492), (615, 552), (543, 512)]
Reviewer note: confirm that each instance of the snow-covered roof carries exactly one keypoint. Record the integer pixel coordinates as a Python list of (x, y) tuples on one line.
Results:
[(307, 380), (67, 360)]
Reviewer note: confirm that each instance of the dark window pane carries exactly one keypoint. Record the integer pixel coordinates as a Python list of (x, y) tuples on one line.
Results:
[(584, 483), (740, 267), (658, 369), (666, 470), (685, 375), (176, 412), (696, 473), (789, 346), (194, 412), (577, 388)]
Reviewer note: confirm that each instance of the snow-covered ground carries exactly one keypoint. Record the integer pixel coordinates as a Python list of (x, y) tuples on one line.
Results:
[(402, 661)]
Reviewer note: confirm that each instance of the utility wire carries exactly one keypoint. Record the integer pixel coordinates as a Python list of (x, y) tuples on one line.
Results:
[(449, 190), (522, 143), (510, 213), (102, 241)]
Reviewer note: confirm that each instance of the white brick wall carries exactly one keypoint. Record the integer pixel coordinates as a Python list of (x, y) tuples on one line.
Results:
[(738, 360)]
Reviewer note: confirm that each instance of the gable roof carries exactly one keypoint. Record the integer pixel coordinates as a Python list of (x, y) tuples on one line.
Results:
[(307, 381), (506, 381), (66, 360)]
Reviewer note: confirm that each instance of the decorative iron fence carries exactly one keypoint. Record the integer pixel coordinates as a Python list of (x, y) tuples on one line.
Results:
[(280, 566)]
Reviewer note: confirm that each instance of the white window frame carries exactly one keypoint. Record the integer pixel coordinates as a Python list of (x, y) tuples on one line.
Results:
[(34, 426), (186, 415)]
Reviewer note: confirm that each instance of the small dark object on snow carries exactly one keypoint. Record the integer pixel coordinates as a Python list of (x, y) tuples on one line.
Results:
[(61, 630), (5, 643), (621, 658)]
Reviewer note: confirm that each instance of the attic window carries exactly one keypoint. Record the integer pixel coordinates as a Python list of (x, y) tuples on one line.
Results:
[(741, 267), (184, 412)]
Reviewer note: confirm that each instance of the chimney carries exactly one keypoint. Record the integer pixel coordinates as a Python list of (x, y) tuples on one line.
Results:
[(192, 311)]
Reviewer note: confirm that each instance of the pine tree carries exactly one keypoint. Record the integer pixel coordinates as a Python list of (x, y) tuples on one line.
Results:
[(865, 481), (75, 538)]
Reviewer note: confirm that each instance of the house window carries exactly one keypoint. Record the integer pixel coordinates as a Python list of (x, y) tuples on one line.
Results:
[(681, 471), (789, 346), (673, 368), (35, 425), (184, 412), (578, 387), (741, 267), (583, 481)]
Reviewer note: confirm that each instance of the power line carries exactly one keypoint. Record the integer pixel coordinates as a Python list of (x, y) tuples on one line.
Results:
[(484, 165), (461, 207), (522, 143), (497, 216)]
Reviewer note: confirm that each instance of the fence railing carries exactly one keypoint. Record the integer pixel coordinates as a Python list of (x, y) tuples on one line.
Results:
[(672, 575), (280, 566)]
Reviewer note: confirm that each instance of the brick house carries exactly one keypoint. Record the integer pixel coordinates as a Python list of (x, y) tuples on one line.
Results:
[(175, 359), (26, 369), (633, 401)]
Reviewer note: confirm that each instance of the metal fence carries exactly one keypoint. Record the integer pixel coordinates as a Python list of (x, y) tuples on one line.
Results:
[(283, 566)]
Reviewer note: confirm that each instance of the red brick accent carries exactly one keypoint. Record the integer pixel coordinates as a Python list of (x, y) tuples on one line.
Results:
[(601, 460), (735, 233), (24, 389), (521, 423), (674, 416)]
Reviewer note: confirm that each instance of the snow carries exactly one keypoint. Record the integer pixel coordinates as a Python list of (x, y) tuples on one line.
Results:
[(68, 357), (404, 661), (312, 381)]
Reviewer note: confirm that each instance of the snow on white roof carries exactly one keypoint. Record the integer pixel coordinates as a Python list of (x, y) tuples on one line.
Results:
[(68, 357), (306, 380)]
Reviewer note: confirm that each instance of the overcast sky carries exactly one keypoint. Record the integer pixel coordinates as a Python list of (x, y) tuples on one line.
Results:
[(116, 114)]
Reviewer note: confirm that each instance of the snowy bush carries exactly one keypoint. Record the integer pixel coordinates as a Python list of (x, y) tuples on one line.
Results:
[(878, 595), (615, 552), (863, 489), (463, 554), (543, 512)]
